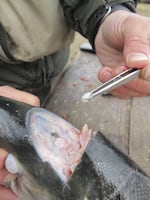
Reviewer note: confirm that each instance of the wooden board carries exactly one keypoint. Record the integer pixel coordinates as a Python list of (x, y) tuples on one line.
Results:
[(139, 140), (122, 121)]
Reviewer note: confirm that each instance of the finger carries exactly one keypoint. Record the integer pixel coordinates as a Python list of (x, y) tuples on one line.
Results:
[(106, 73), (119, 69), (19, 95), (119, 94), (3, 174), (3, 155), (6, 194), (137, 88), (139, 85), (136, 45), (125, 92), (145, 74)]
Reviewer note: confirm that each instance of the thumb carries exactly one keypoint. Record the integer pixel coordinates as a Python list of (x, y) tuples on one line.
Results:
[(136, 46), (146, 73)]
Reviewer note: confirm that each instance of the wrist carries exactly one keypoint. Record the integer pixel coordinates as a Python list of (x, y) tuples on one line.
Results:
[(99, 17)]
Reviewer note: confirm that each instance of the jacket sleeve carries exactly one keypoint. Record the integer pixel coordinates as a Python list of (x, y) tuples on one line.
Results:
[(80, 13)]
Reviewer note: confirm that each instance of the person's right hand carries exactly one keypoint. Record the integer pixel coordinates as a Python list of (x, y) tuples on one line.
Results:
[(123, 40), (12, 93)]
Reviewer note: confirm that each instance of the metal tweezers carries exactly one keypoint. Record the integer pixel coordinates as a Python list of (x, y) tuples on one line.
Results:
[(113, 83)]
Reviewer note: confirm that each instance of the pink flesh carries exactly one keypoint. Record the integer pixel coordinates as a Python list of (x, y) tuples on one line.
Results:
[(58, 142)]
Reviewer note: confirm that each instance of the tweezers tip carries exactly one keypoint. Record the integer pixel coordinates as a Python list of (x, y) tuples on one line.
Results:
[(86, 97)]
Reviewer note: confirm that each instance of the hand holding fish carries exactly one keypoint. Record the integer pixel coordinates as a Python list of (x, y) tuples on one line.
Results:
[(127, 44), (5, 192)]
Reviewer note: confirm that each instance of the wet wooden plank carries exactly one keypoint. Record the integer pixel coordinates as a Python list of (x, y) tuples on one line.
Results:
[(139, 143), (106, 114), (122, 121)]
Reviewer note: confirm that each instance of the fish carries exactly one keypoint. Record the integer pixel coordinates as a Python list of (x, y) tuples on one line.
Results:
[(53, 160)]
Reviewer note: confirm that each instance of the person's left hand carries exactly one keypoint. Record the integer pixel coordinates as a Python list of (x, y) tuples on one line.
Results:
[(123, 40), (5, 192), (25, 97)]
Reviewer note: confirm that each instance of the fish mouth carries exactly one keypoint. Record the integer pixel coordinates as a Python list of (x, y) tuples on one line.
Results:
[(56, 141)]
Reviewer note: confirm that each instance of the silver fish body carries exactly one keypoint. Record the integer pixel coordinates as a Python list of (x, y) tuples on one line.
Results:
[(35, 179), (55, 161)]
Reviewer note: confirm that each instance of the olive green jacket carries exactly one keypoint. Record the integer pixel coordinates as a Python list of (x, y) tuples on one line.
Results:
[(79, 12), (39, 28), (35, 36)]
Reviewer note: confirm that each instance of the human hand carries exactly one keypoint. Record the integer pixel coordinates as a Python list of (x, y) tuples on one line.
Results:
[(7, 91), (124, 40), (5, 193), (19, 95)]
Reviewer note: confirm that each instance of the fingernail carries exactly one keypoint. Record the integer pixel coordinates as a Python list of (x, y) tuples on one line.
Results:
[(137, 57), (146, 73), (106, 76), (11, 164)]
